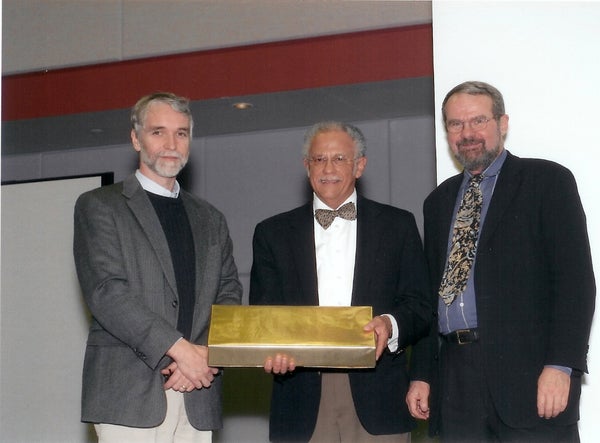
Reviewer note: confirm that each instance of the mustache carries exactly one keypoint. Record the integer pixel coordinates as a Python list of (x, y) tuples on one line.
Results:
[(170, 154), (469, 141)]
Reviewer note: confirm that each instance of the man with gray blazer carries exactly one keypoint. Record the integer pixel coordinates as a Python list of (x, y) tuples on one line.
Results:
[(151, 260)]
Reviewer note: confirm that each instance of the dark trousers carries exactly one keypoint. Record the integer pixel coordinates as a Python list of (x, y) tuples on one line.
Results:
[(468, 414)]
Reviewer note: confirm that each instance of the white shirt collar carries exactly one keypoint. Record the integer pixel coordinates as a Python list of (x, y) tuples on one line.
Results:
[(318, 203), (153, 187)]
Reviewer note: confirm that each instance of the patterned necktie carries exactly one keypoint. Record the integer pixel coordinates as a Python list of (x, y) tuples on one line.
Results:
[(464, 242), (325, 217)]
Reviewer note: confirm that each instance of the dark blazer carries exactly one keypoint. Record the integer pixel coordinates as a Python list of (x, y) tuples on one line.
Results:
[(128, 282), (389, 275), (534, 285)]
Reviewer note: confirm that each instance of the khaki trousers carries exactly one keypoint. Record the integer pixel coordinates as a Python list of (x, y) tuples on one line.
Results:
[(337, 420), (175, 429)]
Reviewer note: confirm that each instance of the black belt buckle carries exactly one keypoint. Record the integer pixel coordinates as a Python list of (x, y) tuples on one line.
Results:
[(463, 336)]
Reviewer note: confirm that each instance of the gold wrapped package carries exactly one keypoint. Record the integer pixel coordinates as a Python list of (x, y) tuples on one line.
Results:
[(315, 336)]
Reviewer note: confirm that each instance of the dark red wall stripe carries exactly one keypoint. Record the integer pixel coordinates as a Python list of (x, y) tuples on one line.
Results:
[(255, 69)]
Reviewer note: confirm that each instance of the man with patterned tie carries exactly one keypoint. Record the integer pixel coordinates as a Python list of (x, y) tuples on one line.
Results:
[(515, 289), (342, 249)]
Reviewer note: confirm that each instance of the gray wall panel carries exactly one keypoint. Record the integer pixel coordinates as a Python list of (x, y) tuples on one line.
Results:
[(120, 160), (412, 163), (375, 181), (21, 167), (251, 177)]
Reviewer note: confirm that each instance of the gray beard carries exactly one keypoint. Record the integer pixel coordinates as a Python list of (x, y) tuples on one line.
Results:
[(480, 163), (160, 169)]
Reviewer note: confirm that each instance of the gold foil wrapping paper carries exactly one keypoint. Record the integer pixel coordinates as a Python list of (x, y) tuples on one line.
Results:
[(315, 336)]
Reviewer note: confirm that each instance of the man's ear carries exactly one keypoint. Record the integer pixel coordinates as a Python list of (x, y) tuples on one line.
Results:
[(504, 125), (135, 142), (361, 164), (306, 167)]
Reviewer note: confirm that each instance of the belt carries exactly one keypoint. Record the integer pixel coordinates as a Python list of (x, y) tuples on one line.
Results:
[(461, 336)]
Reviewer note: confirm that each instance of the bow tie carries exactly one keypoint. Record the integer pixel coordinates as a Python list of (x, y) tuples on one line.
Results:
[(325, 217)]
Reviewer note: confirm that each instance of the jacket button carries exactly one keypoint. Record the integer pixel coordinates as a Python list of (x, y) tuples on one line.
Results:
[(174, 303)]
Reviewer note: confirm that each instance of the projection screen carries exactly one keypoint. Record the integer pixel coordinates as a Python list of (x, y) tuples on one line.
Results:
[(43, 320)]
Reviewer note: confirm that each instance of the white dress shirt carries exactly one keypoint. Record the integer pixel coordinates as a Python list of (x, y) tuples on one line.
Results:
[(335, 249)]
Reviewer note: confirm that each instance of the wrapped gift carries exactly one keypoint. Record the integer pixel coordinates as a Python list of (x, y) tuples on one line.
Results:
[(315, 336)]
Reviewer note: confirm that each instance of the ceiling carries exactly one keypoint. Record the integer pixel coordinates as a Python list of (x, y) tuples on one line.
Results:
[(49, 34)]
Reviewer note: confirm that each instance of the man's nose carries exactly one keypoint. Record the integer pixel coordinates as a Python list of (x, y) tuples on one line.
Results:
[(171, 142), (329, 165)]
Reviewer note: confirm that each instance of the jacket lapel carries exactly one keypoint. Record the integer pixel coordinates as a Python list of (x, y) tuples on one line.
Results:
[(302, 241), (443, 206), (368, 237), (508, 182), (447, 204), (200, 236), (142, 209)]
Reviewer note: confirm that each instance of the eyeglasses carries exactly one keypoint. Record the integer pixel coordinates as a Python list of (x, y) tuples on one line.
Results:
[(337, 160), (476, 124)]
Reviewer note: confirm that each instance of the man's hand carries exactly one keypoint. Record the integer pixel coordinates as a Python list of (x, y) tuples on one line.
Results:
[(280, 364), (191, 367), (382, 326), (553, 392), (176, 380), (417, 399)]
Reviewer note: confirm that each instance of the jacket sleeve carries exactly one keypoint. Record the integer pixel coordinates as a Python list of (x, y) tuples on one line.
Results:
[(569, 263), (230, 288), (414, 309)]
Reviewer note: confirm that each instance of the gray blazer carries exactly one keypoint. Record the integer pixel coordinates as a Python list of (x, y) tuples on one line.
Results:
[(128, 282)]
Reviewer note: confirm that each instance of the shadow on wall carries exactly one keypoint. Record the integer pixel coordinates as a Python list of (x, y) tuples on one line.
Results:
[(246, 402)]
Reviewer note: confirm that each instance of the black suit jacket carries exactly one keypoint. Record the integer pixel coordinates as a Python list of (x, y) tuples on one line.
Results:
[(534, 285), (389, 275)]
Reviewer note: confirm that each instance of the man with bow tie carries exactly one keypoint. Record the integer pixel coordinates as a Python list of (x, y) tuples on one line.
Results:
[(342, 249)]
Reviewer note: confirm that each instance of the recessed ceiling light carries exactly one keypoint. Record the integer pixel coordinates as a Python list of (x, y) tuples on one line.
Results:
[(243, 105)]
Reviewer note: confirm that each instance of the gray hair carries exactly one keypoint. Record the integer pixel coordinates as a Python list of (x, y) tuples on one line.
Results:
[(478, 88), (179, 104), (355, 134)]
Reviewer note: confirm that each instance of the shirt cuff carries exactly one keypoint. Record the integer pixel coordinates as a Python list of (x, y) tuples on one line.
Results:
[(393, 340), (564, 369)]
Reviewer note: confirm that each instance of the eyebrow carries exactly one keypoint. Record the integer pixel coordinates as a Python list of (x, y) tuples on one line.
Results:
[(153, 128), (325, 155), (469, 119)]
